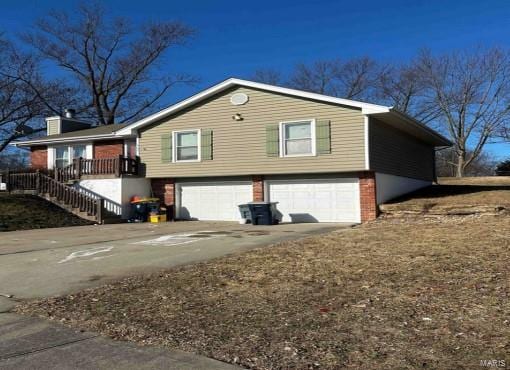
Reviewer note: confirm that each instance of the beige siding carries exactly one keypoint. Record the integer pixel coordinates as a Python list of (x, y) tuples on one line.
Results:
[(239, 147), (53, 127), (396, 153)]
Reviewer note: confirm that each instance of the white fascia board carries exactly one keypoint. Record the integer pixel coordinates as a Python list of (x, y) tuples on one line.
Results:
[(52, 118), (365, 107), (67, 139), (446, 142)]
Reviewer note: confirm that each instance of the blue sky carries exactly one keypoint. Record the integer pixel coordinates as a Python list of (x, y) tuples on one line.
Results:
[(236, 37)]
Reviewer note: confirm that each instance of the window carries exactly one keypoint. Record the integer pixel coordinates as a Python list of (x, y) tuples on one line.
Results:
[(297, 138), (64, 155), (187, 146), (79, 151)]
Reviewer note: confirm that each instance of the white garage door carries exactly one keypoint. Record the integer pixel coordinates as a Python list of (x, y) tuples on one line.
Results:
[(213, 201), (331, 200)]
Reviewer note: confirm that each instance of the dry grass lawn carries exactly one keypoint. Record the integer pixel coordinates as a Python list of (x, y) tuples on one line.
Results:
[(451, 192), (392, 294), (481, 181), (25, 212)]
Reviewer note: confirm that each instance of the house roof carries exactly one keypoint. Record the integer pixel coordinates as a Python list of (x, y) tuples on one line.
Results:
[(384, 113), (98, 132)]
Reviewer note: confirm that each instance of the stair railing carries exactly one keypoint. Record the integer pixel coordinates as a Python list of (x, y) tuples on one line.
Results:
[(98, 166), (62, 193)]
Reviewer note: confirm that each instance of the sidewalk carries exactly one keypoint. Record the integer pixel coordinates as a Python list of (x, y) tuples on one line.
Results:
[(31, 343)]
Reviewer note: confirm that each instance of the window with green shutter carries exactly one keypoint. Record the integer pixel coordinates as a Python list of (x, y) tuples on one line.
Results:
[(187, 146), (166, 148), (323, 137), (272, 140)]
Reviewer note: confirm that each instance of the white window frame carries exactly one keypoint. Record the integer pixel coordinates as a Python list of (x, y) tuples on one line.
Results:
[(174, 146), (282, 138), (52, 152), (69, 154)]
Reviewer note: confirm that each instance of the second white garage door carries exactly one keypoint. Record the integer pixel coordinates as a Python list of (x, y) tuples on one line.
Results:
[(325, 200), (212, 201)]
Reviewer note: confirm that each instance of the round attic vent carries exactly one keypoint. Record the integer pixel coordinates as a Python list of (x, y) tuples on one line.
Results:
[(239, 99)]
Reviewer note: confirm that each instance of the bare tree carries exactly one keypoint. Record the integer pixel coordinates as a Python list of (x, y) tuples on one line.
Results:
[(115, 65), (402, 87), (352, 79), (20, 104), (267, 76), (446, 164), (504, 132), (13, 160), (471, 91)]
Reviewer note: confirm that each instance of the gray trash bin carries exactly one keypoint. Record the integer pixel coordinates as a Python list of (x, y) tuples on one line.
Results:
[(263, 213), (244, 209)]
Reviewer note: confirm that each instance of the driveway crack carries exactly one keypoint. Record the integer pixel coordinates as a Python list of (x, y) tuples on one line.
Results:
[(36, 350)]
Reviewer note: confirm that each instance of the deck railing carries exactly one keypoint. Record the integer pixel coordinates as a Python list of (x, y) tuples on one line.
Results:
[(43, 184), (99, 166)]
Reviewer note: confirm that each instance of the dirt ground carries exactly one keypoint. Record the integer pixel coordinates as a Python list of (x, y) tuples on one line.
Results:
[(24, 212), (392, 294)]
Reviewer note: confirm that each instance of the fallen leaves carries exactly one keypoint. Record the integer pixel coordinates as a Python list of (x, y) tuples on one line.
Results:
[(384, 295)]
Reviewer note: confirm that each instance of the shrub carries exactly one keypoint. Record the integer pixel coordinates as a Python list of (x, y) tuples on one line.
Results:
[(503, 168)]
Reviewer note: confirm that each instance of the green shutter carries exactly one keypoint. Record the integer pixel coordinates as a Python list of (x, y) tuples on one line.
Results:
[(323, 137), (272, 140), (166, 148), (206, 145)]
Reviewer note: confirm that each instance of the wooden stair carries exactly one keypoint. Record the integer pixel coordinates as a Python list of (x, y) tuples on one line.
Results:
[(62, 194)]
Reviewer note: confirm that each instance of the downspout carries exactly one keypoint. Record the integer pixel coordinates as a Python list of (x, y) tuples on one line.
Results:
[(367, 154)]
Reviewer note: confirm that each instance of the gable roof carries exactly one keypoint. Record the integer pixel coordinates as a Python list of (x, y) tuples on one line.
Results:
[(382, 112), (98, 132), (387, 114), (231, 82)]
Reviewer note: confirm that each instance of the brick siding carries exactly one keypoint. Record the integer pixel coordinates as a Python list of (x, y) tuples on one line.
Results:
[(164, 189), (108, 149), (367, 193), (258, 188), (39, 157)]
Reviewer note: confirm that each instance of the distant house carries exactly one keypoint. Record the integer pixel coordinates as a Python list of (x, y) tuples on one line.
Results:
[(323, 159)]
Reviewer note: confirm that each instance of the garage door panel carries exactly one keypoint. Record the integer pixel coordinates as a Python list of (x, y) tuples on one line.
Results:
[(331, 200), (212, 201)]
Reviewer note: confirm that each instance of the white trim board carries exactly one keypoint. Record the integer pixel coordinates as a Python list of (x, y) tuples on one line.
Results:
[(366, 127), (366, 108)]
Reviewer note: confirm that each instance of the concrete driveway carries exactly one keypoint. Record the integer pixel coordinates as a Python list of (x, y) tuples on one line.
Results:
[(50, 262)]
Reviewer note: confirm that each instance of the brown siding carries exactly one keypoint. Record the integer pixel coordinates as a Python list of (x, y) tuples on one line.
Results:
[(108, 149), (396, 153), (239, 147), (39, 157)]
